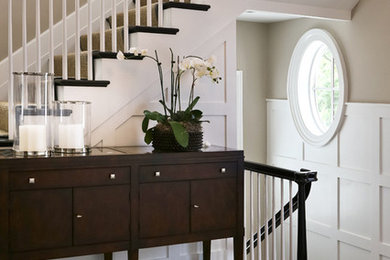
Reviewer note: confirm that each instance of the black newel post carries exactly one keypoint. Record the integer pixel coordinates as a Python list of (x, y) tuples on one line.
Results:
[(302, 242)]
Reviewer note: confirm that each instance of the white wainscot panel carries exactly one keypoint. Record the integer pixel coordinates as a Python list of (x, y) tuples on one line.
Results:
[(215, 131), (349, 252), (385, 212), (355, 207), (154, 253), (321, 201), (385, 153), (356, 140), (130, 132), (320, 247), (194, 250), (326, 154), (284, 139)]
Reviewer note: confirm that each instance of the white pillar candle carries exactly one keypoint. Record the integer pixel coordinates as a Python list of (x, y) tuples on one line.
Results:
[(71, 136), (32, 138)]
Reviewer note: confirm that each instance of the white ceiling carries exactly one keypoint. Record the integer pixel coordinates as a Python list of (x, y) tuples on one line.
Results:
[(319, 8), (332, 4), (265, 17)]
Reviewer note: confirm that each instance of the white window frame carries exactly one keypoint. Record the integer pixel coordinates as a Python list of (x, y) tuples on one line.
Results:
[(298, 79)]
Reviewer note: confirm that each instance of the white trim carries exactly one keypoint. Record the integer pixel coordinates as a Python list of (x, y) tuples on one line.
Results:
[(293, 94), (240, 110)]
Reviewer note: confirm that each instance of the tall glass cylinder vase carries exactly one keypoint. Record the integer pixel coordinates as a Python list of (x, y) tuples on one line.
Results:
[(33, 95), (72, 126)]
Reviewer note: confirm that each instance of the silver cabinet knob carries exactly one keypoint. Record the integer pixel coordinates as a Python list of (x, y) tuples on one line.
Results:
[(79, 216), (31, 180), (196, 206), (157, 174), (112, 176), (223, 170)]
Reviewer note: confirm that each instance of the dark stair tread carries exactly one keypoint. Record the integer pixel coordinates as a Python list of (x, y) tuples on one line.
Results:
[(81, 82), (188, 6), (156, 30), (84, 62)]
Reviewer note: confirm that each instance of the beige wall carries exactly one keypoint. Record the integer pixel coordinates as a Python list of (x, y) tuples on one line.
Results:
[(252, 60), (17, 20), (364, 41)]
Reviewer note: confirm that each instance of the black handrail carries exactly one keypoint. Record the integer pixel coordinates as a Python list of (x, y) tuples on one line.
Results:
[(303, 178)]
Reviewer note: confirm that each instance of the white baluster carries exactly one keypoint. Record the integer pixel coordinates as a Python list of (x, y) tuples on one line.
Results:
[(77, 40), (266, 209), (24, 35), (10, 70), (38, 34), (282, 257), (102, 27), (291, 221), (273, 221), (160, 13), (259, 216), (252, 248), (64, 42), (149, 12), (90, 76), (51, 38), (113, 26), (137, 12), (126, 26)]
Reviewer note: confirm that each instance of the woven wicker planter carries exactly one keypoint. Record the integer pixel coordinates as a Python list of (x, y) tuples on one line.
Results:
[(164, 140)]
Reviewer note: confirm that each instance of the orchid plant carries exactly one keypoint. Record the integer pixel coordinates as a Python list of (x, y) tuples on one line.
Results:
[(180, 119)]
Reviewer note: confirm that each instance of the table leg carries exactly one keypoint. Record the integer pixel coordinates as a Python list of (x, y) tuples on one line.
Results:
[(206, 250), (132, 255), (108, 256), (239, 248)]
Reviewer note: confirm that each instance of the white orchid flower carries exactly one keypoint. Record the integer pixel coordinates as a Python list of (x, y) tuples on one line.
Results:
[(120, 56), (211, 61), (214, 74), (134, 50), (144, 52), (185, 64)]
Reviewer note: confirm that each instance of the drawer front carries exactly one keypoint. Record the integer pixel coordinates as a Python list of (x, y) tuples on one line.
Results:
[(157, 173), (69, 178)]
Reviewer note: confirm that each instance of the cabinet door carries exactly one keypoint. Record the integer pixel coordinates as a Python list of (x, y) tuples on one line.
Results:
[(40, 219), (164, 209), (213, 204), (101, 214)]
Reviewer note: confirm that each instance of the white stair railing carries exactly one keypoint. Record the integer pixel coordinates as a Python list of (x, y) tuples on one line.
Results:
[(266, 220)]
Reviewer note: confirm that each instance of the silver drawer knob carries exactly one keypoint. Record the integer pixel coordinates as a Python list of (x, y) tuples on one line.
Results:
[(79, 216), (196, 206), (31, 180), (112, 176), (223, 170), (157, 174)]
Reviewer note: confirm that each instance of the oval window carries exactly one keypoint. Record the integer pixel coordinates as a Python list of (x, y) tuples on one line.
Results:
[(317, 87)]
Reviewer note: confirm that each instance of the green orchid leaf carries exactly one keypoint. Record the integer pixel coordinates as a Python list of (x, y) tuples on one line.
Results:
[(155, 116), (193, 104), (181, 134), (196, 114), (149, 135), (145, 124), (165, 106)]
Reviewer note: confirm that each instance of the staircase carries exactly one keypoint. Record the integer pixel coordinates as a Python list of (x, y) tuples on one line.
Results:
[(107, 51)]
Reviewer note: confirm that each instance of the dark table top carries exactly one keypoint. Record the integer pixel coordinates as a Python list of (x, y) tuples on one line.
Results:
[(6, 153)]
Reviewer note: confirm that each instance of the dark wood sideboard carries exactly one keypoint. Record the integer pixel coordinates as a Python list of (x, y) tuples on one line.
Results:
[(119, 198)]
